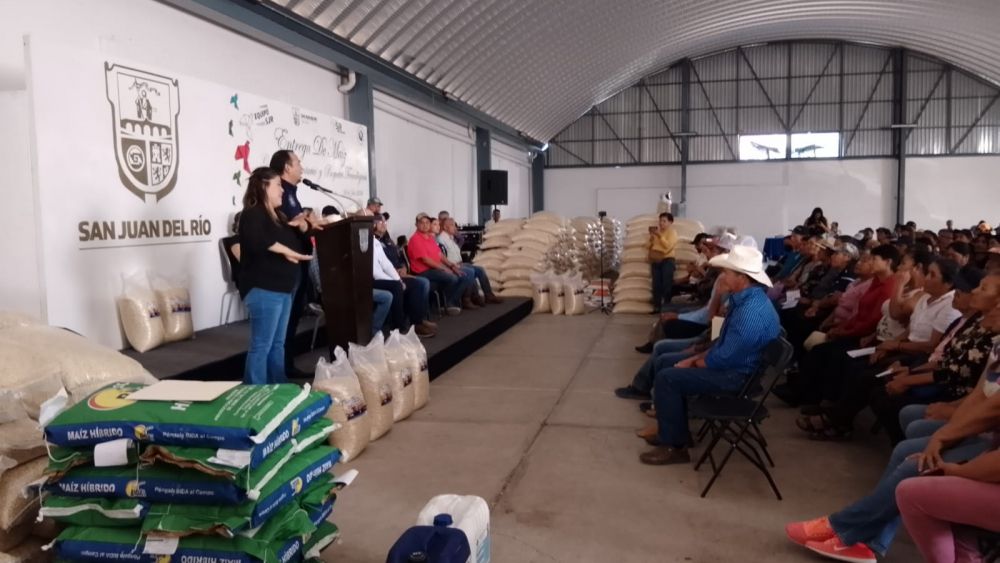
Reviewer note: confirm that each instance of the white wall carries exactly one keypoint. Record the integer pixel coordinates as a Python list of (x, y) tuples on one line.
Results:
[(965, 189), (157, 36), (423, 163), (20, 289), (760, 198), (515, 161), (768, 198), (622, 192)]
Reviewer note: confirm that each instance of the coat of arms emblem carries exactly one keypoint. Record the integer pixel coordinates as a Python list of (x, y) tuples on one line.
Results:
[(144, 109)]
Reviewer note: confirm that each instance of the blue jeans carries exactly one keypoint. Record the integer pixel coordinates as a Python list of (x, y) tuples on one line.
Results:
[(675, 344), (675, 385), (416, 294), (383, 302), (643, 380), (454, 286), (479, 274), (663, 281), (913, 423), (269, 312), (874, 519)]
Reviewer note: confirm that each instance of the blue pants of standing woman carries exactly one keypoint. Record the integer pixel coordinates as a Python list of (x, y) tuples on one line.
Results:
[(874, 519), (663, 281), (269, 312)]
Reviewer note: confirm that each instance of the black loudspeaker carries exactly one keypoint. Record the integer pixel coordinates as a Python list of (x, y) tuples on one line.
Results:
[(493, 187)]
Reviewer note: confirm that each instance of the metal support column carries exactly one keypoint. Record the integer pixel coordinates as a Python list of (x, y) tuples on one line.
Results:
[(483, 161), (686, 130), (361, 109), (538, 182), (899, 134)]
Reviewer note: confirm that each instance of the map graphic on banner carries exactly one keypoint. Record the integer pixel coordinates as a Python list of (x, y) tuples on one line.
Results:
[(334, 152)]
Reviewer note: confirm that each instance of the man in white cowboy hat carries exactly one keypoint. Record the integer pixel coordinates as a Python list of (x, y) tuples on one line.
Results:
[(750, 325)]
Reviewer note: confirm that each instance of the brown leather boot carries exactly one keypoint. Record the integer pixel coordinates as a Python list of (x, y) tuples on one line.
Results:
[(478, 300), (468, 304), (492, 298)]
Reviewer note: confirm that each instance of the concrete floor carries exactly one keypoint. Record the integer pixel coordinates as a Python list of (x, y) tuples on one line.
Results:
[(530, 423)]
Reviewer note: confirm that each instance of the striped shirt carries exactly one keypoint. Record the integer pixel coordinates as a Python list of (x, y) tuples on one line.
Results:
[(751, 324)]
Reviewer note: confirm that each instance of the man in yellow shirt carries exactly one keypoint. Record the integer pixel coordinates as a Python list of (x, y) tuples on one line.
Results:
[(662, 244)]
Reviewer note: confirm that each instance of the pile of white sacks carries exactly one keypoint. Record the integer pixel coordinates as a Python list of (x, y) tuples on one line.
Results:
[(633, 290), (514, 249)]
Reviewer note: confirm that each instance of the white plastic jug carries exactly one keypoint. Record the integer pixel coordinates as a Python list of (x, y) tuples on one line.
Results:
[(470, 514)]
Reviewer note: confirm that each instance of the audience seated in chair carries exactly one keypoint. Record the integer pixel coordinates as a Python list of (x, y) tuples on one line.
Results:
[(427, 260), (869, 525), (751, 324)]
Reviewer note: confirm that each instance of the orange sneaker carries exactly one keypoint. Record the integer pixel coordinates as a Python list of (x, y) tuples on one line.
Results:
[(835, 549), (817, 530)]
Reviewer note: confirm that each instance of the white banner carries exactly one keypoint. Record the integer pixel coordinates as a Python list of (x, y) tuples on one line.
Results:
[(139, 168)]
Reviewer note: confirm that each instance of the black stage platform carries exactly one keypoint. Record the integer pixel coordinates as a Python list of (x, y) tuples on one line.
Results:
[(218, 353)]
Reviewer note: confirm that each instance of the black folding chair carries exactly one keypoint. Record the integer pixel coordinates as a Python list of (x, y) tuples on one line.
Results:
[(736, 419)]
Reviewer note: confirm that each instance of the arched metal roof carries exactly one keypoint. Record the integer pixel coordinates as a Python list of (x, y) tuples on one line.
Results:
[(537, 65)]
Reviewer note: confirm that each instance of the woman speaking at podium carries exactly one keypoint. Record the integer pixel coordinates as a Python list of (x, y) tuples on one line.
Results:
[(271, 252)]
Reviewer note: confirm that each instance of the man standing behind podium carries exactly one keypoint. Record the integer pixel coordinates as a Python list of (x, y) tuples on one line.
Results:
[(427, 260), (287, 165)]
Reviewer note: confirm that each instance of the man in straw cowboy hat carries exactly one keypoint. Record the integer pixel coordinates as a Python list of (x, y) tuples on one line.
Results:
[(750, 325)]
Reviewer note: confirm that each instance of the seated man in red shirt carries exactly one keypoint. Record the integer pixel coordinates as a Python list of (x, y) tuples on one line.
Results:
[(427, 260)]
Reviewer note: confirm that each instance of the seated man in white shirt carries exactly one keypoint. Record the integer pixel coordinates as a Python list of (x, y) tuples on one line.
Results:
[(454, 253), (388, 279)]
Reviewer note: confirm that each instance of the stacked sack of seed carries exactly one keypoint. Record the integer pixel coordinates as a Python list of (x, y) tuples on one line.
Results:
[(526, 247), (244, 477), (38, 362), (685, 252), (633, 290), (493, 249)]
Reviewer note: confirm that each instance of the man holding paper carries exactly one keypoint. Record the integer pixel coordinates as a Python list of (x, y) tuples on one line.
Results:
[(825, 361), (931, 318)]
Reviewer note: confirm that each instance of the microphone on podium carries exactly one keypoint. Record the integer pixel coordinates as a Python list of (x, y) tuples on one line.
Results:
[(329, 193)]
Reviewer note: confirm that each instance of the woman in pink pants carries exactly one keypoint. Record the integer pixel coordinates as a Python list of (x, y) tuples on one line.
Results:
[(933, 508)]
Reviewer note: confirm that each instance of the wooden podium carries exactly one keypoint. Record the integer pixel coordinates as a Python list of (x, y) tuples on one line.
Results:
[(345, 255)]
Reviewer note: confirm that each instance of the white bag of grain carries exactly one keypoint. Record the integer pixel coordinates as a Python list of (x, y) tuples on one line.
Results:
[(10, 319), (540, 284), (639, 307), (83, 365), (21, 438), (349, 410), (140, 315), (556, 293), (401, 371), (15, 505), (9, 539), (31, 550), (574, 301), (376, 384), (174, 302), (422, 376)]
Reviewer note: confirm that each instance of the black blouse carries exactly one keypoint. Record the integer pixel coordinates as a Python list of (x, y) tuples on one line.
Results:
[(259, 267)]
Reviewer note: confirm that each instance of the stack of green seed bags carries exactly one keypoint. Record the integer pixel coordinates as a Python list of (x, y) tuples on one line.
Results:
[(242, 478)]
